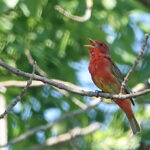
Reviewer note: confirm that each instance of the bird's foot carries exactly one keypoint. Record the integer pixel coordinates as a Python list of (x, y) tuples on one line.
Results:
[(97, 92)]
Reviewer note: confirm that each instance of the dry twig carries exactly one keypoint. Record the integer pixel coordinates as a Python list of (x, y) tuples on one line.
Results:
[(19, 97), (31, 61), (85, 17), (134, 65)]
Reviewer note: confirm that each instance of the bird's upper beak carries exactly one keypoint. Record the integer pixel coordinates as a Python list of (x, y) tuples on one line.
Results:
[(93, 43)]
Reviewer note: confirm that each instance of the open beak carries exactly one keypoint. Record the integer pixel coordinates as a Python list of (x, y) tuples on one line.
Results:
[(92, 44), (92, 41)]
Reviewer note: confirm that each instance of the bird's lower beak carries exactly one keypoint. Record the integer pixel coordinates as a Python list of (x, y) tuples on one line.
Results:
[(92, 42), (88, 46)]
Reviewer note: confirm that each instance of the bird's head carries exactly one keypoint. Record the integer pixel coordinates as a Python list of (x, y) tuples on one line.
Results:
[(97, 47)]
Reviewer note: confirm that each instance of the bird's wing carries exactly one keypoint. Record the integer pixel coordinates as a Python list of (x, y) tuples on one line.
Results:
[(116, 72)]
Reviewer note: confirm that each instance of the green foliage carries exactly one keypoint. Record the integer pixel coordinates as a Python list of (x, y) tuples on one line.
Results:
[(56, 41)]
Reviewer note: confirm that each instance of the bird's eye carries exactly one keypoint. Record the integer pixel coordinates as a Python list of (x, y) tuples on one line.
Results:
[(100, 44)]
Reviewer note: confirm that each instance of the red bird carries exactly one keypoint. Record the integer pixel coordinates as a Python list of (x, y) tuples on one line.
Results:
[(106, 75)]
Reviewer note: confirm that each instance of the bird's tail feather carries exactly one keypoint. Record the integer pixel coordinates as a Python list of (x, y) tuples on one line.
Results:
[(134, 125)]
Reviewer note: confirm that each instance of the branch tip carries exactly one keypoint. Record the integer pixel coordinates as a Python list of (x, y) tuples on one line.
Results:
[(123, 85)]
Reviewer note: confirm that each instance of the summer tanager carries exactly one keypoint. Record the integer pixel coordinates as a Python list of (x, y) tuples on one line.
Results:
[(106, 75)]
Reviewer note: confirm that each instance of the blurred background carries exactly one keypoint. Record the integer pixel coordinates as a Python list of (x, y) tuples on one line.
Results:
[(53, 33)]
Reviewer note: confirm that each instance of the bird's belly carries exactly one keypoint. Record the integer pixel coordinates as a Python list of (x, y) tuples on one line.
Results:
[(106, 86), (105, 80)]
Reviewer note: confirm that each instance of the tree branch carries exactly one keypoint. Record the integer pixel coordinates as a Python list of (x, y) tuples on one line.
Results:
[(135, 64), (29, 133), (85, 17), (74, 133), (70, 87), (18, 98), (16, 83)]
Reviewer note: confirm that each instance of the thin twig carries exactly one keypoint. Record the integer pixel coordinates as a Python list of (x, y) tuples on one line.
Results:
[(19, 97), (74, 133), (141, 86), (31, 61), (135, 64), (70, 87), (85, 17), (29, 133)]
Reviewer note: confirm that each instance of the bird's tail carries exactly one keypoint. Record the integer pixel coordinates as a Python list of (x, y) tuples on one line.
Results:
[(134, 125), (125, 105)]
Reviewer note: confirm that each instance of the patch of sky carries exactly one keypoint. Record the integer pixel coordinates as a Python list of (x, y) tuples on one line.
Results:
[(65, 106), (46, 91), (111, 34), (17, 108), (87, 100), (139, 35), (123, 68), (52, 114), (40, 135), (56, 94), (83, 74), (35, 104), (140, 17), (27, 113), (135, 18), (107, 108), (92, 114)]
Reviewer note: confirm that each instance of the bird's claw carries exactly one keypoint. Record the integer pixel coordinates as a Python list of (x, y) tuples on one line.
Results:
[(97, 92)]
